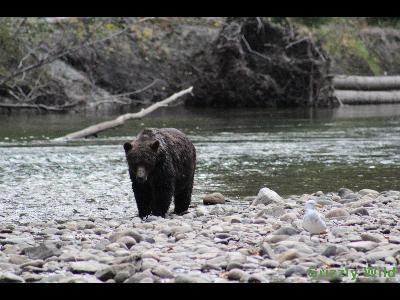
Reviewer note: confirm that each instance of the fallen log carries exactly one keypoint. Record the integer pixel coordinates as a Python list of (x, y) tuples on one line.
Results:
[(94, 129), (368, 97), (367, 83)]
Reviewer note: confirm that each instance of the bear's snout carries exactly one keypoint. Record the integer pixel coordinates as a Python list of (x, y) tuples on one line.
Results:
[(141, 175)]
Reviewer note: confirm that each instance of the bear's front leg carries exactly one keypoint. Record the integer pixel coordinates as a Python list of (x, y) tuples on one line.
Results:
[(143, 198), (162, 198)]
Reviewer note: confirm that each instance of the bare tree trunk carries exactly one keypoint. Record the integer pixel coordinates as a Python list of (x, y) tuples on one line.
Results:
[(94, 129), (370, 83)]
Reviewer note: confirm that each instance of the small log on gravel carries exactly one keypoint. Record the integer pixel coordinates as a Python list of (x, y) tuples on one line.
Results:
[(367, 83), (94, 129)]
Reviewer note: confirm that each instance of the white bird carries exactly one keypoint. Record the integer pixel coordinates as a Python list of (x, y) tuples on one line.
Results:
[(313, 221)]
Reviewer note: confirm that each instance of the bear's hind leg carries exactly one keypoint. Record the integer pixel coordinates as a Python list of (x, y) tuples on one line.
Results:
[(161, 202), (182, 201)]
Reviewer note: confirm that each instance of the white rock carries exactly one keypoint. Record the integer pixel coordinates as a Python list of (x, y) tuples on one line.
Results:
[(368, 192), (266, 196), (201, 211)]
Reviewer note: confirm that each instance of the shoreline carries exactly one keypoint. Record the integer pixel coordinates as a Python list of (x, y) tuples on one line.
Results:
[(231, 242)]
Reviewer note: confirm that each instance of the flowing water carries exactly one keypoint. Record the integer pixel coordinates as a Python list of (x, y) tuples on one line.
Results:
[(239, 151)]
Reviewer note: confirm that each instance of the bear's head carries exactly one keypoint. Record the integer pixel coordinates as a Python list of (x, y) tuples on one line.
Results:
[(141, 156)]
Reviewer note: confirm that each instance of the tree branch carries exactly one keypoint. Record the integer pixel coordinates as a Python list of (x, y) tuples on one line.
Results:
[(94, 129)]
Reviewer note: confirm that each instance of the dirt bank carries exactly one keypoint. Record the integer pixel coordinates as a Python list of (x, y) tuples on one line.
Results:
[(156, 58)]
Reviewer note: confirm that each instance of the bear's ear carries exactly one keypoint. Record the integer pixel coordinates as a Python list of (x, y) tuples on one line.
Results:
[(154, 145), (127, 146)]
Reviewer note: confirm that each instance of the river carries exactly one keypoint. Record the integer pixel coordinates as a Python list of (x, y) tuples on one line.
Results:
[(239, 151)]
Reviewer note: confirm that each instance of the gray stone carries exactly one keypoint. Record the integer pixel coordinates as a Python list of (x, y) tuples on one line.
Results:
[(256, 278), (102, 244), (337, 213), (105, 274), (269, 263), (234, 265), (273, 211), (128, 241), (394, 239), (90, 266), (147, 280), (343, 192), (139, 276), (276, 238), (295, 270), (79, 279), (361, 211), (116, 236), (190, 279), (42, 251), (7, 277), (288, 217), (324, 202), (334, 250), (288, 255), (35, 263), (236, 274), (121, 276), (266, 251), (364, 192), (373, 237), (286, 231), (18, 259), (363, 246), (162, 272)]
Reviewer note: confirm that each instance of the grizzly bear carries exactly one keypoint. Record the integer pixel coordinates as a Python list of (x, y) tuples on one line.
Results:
[(161, 166)]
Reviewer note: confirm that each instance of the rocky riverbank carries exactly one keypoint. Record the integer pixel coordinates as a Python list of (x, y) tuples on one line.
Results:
[(258, 239)]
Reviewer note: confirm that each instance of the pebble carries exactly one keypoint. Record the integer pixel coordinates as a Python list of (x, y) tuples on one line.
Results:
[(361, 211), (337, 213), (288, 255), (364, 192), (286, 231), (289, 217), (333, 250), (7, 277), (296, 270), (91, 266), (363, 246), (343, 192), (236, 274), (162, 272), (373, 237), (190, 279), (121, 276), (234, 265), (41, 252)]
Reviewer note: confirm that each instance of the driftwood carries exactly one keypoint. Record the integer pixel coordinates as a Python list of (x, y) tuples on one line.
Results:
[(94, 129), (368, 97), (367, 83)]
